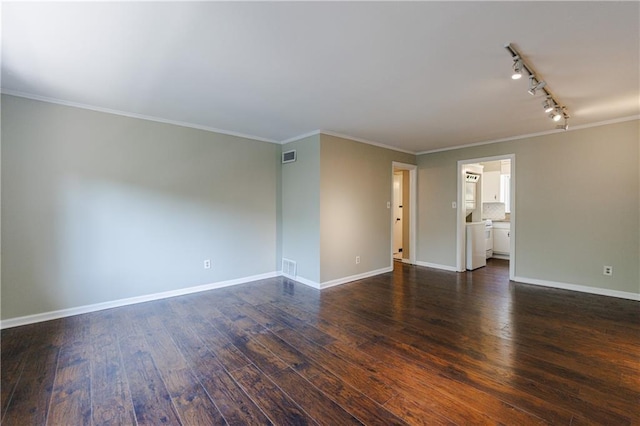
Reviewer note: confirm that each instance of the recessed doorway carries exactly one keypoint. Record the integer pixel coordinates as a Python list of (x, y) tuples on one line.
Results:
[(494, 204), (403, 209)]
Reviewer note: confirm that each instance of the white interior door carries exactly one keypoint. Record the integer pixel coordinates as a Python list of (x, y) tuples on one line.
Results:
[(397, 212)]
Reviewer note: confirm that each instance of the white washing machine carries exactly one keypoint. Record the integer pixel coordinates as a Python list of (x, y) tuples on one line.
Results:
[(476, 245)]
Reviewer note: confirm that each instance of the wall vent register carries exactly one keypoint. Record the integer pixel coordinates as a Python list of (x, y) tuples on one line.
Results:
[(289, 156)]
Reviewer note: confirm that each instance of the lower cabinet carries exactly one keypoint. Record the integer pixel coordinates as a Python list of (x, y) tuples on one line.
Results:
[(502, 238)]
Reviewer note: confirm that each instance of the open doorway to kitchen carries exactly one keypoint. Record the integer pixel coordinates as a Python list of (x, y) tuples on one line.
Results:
[(486, 219), (403, 212)]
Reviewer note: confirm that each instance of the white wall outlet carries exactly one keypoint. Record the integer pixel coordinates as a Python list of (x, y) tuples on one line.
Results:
[(454, 205), (357, 260), (388, 204), (607, 270), (207, 264)]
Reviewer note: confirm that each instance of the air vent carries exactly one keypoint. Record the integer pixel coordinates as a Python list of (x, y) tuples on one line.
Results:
[(288, 268), (289, 156)]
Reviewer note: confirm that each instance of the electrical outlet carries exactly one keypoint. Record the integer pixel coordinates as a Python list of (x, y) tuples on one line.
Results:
[(607, 270), (207, 264), (357, 260), (388, 204), (454, 205)]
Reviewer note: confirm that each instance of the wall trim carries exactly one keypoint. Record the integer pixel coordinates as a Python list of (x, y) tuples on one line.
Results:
[(436, 266), (356, 277), (134, 115), (581, 288), (343, 136), (299, 137), (46, 316), (533, 135), (306, 281)]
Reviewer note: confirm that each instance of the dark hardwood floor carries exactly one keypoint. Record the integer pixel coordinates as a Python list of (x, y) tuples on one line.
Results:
[(416, 346)]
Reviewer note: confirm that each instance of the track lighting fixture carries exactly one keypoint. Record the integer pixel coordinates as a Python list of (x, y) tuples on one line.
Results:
[(551, 106), (535, 85), (548, 105), (517, 68)]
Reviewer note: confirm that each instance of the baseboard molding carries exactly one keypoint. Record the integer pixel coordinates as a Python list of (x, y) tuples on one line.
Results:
[(46, 316), (356, 277), (344, 280), (437, 266), (305, 281), (407, 261), (580, 288)]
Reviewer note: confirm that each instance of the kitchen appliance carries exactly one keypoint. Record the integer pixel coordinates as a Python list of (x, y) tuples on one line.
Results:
[(470, 199), (476, 245)]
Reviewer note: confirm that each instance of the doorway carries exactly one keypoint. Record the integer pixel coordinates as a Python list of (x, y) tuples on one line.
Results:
[(500, 191), (403, 208), (399, 224)]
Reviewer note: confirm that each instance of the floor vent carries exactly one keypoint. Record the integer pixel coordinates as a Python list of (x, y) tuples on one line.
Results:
[(288, 268)]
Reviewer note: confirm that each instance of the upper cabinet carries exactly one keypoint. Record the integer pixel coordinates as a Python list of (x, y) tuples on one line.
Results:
[(505, 167), (491, 187)]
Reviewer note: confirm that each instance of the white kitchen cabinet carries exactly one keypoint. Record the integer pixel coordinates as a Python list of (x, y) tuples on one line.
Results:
[(505, 167), (491, 187), (501, 238)]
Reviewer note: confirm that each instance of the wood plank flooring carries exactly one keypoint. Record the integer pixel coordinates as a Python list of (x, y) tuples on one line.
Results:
[(416, 346)]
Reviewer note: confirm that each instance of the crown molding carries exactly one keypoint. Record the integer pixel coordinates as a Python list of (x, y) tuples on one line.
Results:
[(533, 135), (343, 136), (134, 115)]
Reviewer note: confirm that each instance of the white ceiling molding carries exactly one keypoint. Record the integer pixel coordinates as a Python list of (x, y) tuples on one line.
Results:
[(368, 142), (533, 135), (133, 115)]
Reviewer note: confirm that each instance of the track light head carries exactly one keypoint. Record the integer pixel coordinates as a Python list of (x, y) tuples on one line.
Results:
[(535, 85), (556, 115), (548, 105), (564, 126), (517, 68)]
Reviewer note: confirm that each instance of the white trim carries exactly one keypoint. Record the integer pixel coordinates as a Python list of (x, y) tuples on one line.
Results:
[(437, 266), (343, 136), (306, 281), (299, 137), (356, 277), (46, 316), (581, 288), (368, 142), (135, 115), (533, 135)]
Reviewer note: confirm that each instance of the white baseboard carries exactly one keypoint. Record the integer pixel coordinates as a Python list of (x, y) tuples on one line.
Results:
[(46, 316), (344, 280), (305, 281), (437, 266), (356, 277), (581, 288)]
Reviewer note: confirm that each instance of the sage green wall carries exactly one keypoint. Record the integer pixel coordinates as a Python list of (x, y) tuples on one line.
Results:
[(98, 207), (355, 186), (577, 198), (301, 207)]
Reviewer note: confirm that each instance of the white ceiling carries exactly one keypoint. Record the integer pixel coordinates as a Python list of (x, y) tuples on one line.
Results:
[(418, 76)]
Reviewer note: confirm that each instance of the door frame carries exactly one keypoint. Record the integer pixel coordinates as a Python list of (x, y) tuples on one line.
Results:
[(413, 209), (460, 231)]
